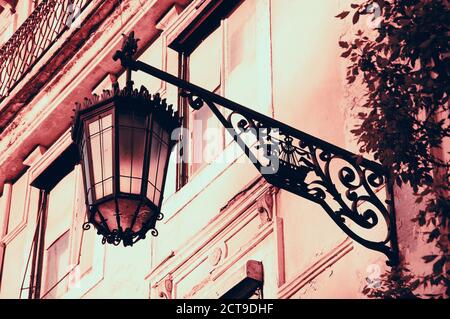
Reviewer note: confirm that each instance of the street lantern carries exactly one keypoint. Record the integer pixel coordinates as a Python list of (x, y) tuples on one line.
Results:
[(124, 142), (124, 145)]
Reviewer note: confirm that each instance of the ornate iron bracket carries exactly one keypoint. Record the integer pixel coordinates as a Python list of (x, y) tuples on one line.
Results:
[(345, 185)]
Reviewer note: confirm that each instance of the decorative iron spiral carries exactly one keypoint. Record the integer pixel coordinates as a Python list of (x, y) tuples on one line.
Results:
[(154, 232), (86, 226)]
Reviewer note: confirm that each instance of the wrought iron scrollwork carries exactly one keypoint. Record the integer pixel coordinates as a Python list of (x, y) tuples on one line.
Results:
[(345, 185), (86, 226), (116, 236), (194, 101)]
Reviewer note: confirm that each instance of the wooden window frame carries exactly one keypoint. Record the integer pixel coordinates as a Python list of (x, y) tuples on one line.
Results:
[(46, 175), (206, 21), (38, 271)]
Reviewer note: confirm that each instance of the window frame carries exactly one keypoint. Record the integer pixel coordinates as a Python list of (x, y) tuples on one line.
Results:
[(44, 246), (214, 16), (39, 170), (176, 26), (47, 290)]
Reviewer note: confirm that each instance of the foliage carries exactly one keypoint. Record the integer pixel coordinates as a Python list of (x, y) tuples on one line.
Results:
[(398, 282), (404, 65)]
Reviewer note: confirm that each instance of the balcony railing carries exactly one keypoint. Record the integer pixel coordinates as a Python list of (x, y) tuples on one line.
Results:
[(34, 38)]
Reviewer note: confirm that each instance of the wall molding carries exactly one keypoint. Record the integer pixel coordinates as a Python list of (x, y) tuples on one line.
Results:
[(5, 207), (93, 277), (12, 234), (205, 245), (315, 269)]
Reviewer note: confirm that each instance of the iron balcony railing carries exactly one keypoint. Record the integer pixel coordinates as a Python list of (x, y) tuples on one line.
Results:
[(34, 38)]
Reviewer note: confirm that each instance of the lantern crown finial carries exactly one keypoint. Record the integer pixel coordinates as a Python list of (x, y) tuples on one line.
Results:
[(128, 49)]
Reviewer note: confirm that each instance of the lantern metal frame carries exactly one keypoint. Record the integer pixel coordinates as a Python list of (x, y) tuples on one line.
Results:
[(115, 102)]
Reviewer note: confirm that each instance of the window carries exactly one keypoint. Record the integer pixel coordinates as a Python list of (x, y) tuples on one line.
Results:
[(62, 252), (56, 239), (204, 69), (17, 204), (240, 58), (57, 262), (223, 60), (65, 251)]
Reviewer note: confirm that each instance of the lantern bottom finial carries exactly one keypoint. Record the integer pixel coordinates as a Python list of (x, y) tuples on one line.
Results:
[(123, 220)]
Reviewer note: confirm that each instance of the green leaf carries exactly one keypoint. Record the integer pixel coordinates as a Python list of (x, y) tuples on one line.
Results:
[(343, 44), (415, 284), (342, 15), (438, 266), (433, 235), (355, 17), (346, 53)]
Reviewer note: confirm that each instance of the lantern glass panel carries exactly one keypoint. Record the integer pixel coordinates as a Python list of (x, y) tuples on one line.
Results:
[(107, 210), (87, 175), (159, 155), (100, 138), (136, 214), (132, 133)]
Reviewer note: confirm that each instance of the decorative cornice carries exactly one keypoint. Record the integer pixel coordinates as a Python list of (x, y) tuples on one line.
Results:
[(168, 17), (35, 155)]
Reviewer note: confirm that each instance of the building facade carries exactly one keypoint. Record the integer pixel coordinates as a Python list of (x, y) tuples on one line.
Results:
[(226, 232)]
